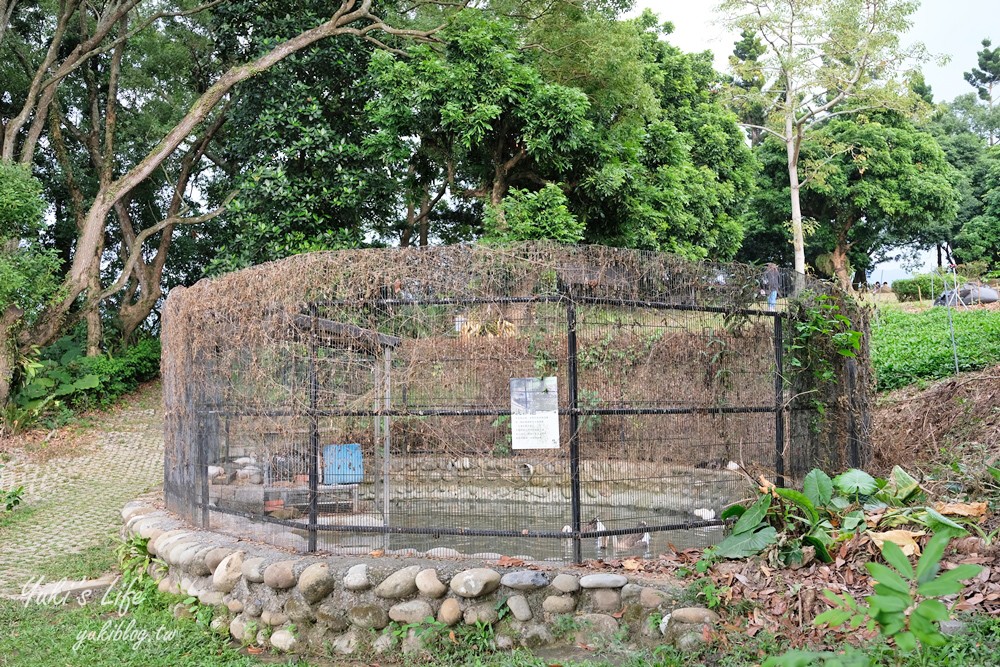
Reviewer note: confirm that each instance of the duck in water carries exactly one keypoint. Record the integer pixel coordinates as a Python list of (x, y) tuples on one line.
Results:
[(633, 540), (597, 524)]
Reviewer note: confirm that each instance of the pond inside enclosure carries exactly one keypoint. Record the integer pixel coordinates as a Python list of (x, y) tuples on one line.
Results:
[(323, 404), (500, 516)]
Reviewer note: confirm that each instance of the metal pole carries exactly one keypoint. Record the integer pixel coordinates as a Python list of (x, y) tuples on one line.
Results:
[(574, 430), (779, 404), (951, 324), (313, 433), (386, 443)]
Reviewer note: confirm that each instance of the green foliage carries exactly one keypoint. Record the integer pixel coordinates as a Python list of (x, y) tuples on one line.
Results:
[(10, 499), (446, 646), (825, 512), (820, 333), (905, 605), (908, 347), (28, 272), (528, 216), (925, 285)]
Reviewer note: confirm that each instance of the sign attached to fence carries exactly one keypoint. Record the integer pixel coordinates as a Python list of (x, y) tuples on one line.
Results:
[(534, 413)]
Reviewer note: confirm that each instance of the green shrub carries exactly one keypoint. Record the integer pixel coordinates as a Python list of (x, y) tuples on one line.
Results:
[(925, 285), (62, 379), (907, 347)]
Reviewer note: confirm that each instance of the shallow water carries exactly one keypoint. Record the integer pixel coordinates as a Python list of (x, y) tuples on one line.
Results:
[(495, 515)]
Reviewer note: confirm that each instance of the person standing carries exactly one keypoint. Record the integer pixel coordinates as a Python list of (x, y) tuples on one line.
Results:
[(772, 283)]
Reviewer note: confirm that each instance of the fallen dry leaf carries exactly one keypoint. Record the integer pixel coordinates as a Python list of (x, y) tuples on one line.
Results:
[(977, 509), (507, 561), (378, 553), (904, 539), (631, 564)]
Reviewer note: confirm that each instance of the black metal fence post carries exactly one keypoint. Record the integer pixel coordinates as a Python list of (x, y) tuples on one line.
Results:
[(574, 430), (313, 432), (779, 403)]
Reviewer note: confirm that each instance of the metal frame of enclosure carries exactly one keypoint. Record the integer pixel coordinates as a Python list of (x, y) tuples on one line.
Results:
[(360, 401)]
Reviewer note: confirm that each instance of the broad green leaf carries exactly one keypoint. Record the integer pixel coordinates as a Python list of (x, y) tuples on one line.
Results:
[(821, 551), (906, 642), (924, 630), (938, 522), (902, 485), (888, 577), (818, 487), (743, 545), (895, 557), (88, 382), (800, 500), (933, 610), (890, 604), (734, 511), (855, 482), (994, 473), (753, 516), (950, 582), (833, 618), (930, 560)]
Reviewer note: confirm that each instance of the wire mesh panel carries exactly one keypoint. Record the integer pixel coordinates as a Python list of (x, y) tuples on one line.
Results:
[(535, 401)]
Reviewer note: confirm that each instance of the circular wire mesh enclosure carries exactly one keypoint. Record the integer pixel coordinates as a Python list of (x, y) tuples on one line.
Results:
[(537, 401)]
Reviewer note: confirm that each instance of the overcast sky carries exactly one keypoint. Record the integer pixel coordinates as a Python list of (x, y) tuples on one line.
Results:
[(955, 28), (947, 27)]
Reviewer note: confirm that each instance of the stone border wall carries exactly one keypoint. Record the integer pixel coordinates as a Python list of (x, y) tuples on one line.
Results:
[(346, 605)]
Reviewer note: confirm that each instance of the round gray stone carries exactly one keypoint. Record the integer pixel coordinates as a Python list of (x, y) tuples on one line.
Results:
[(273, 617), (651, 598), (631, 592), (280, 575), (694, 615), (595, 627), (428, 583), (602, 581), (559, 604), (566, 583), (357, 578), (518, 605), (299, 611), (475, 582), (253, 570), (227, 572), (524, 580), (399, 584), (411, 611), (368, 616), (316, 582), (449, 613), (481, 613), (606, 599), (216, 556), (283, 640)]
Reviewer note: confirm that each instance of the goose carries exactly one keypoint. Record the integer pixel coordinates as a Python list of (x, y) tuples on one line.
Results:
[(633, 540), (597, 524)]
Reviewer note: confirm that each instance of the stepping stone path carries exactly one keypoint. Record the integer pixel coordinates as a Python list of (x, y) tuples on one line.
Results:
[(76, 501)]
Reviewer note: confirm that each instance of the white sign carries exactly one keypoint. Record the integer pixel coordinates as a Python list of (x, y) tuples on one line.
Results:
[(534, 413)]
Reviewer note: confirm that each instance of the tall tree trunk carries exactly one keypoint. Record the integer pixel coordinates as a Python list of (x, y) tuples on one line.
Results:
[(91, 235), (7, 351), (840, 266), (798, 237), (95, 329), (425, 214)]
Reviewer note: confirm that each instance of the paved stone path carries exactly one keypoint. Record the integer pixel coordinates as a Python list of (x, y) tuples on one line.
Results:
[(76, 501)]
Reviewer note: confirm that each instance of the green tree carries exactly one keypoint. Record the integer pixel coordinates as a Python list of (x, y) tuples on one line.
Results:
[(56, 47), (979, 238), (874, 182), (984, 79), (821, 54), (28, 271)]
